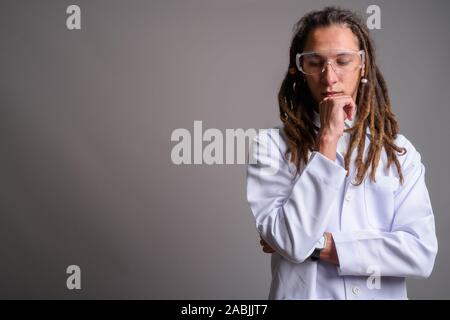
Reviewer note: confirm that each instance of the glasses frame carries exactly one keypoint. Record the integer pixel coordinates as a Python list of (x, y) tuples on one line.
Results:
[(299, 67)]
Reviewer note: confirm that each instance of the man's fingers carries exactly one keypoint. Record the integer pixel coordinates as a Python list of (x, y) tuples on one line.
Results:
[(349, 105), (268, 249), (350, 110)]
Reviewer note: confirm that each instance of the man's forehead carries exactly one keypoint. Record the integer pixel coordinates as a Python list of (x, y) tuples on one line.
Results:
[(332, 52), (330, 38)]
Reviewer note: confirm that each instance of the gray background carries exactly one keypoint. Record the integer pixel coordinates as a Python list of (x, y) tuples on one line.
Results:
[(86, 118)]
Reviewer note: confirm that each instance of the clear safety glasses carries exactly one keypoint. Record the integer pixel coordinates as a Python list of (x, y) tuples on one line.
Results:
[(342, 61)]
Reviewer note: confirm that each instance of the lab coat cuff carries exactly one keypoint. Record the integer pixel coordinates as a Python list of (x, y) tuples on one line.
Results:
[(349, 255), (328, 171)]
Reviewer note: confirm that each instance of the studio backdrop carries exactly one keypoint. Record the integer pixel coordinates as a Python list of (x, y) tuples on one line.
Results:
[(97, 199)]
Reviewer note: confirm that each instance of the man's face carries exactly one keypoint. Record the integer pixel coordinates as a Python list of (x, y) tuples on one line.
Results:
[(328, 42)]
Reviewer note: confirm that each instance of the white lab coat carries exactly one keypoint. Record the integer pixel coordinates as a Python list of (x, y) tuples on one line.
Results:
[(383, 232)]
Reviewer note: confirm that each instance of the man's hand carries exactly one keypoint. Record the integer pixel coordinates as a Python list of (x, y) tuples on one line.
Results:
[(333, 112), (329, 253), (265, 246)]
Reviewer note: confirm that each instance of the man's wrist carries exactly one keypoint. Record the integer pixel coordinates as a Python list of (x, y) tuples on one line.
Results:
[(327, 145)]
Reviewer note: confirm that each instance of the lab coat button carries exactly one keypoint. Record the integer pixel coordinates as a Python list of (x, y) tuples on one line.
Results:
[(355, 290), (348, 197)]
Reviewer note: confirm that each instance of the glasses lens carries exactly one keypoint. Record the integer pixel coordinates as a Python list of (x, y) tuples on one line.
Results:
[(347, 62), (313, 63)]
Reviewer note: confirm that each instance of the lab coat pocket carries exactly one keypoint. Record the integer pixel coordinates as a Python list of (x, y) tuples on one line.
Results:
[(379, 201)]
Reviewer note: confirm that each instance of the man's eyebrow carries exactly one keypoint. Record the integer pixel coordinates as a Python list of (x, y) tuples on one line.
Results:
[(343, 53), (319, 55)]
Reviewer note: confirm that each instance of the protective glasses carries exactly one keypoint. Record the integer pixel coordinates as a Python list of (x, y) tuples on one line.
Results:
[(342, 61)]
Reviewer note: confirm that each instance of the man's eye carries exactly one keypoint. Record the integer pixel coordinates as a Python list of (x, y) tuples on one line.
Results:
[(343, 62), (315, 63)]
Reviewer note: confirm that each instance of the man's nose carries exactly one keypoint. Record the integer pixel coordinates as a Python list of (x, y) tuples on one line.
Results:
[(329, 76)]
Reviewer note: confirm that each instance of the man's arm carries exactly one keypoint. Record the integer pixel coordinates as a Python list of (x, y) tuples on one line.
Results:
[(328, 254), (409, 249), (291, 215)]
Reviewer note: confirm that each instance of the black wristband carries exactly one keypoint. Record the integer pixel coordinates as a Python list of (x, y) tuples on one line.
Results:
[(315, 255)]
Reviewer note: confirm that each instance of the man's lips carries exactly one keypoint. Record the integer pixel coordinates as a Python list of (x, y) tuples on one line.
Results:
[(330, 93)]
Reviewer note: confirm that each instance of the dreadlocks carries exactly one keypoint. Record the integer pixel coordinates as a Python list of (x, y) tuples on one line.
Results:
[(374, 107)]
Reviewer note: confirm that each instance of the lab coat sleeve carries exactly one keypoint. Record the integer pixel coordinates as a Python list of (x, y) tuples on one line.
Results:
[(410, 248), (290, 214)]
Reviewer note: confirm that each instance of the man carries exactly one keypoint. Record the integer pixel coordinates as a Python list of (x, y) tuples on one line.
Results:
[(336, 229)]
